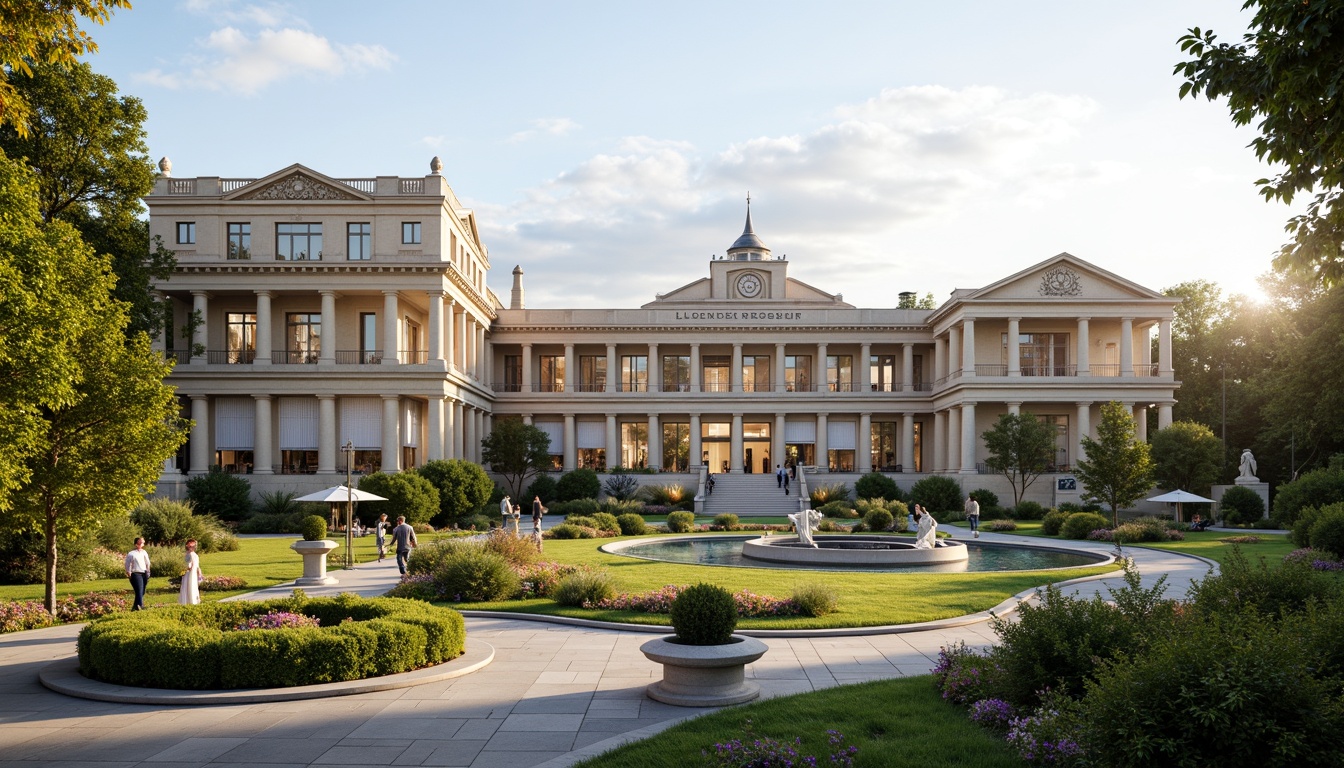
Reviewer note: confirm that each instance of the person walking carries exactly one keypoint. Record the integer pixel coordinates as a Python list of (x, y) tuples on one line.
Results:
[(137, 570), (973, 516), (190, 592), (779, 476), (537, 511), (380, 536), (404, 537)]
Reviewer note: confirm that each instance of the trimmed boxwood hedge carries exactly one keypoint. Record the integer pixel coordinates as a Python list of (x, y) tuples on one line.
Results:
[(194, 647)]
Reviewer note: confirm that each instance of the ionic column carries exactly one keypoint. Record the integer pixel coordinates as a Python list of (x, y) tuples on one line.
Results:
[(326, 354), (735, 373), (527, 369), (1164, 347), (865, 365), (823, 442), (820, 380), (1084, 348), (527, 419), (777, 448), (779, 369), (864, 461), (459, 420), (1084, 426), (200, 308), (613, 442), (968, 347), (1163, 416), (571, 452), (955, 361), (480, 435), (451, 434), (391, 346), (939, 358), (263, 333), (1127, 346), (201, 449), (449, 347), (697, 376), (697, 447), (434, 451), (655, 371), (569, 368), (460, 341), (1141, 423), (479, 349), (939, 441), (969, 439), (655, 442), (468, 346), (613, 378), (1014, 408), (391, 449), (953, 439), (907, 457), (262, 463), (735, 443), (326, 434), (435, 325), (908, 367), (471, 441), (1014, 346)]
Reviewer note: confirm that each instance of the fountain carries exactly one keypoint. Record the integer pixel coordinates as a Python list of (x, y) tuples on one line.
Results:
[(847, 549)]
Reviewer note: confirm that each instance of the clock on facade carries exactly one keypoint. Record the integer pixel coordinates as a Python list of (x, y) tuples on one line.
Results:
[(749, 286)]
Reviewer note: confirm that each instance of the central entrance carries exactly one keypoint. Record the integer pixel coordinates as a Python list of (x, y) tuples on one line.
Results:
[(756, 448)]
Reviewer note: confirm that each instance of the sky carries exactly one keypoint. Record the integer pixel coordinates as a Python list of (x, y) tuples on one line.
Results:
[(608, 147)]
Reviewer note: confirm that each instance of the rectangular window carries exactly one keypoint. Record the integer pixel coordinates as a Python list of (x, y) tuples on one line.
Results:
[(634, 444), (240, 241), (885, 437), (716, 373), (513, 373), (552, 373), (186, 233), (676, 446), (840, 373), (592, 373), (1061, 425), (676, 373), (882, 374), (798, 373), (410, 233), (241, 331), (755, 373), (414, 340), (303, 337), (369, 351), (298, 242), (358, 241), (635, 373), (1041, 354)]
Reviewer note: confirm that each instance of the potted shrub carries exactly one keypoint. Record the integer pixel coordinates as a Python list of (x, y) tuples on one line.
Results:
[(704, 662), (314, 548)]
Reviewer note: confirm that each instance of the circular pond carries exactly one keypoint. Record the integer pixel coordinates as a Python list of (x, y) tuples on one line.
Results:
[(981, 556)]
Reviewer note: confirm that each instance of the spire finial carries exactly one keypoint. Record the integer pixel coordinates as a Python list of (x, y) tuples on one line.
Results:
[(748, 199)]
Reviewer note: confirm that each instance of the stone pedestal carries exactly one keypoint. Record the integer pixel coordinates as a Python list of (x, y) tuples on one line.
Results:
[(1261, 489), (314, 562), (703, 675)]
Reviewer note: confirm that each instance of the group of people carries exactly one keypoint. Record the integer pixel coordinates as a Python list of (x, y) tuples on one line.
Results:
[(784, 476), (138, 571)]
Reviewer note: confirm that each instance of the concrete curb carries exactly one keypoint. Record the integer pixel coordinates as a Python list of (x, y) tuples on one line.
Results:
[(63, 677)]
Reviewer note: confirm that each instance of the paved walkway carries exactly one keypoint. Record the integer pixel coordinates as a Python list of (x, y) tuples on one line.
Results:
[(553, 695)]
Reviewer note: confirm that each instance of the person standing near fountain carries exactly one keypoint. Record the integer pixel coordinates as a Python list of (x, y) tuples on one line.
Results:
[(928, 529), (973, 515)]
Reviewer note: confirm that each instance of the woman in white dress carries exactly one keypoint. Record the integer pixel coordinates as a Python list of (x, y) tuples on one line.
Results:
[(190, 594)]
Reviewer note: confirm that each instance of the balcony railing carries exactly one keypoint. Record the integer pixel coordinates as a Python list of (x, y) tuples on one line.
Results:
[(181, 356), (1145, 369), (1104, 369), (1049, 370), (294, 357), (991, 369), (413, 356), (590, 387), (231, 356), (359, 356)]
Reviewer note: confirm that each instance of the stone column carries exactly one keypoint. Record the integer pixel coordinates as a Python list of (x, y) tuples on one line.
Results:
[(468, 346), (569, 368), (480, 435), (613, 443), (201, 448), (326, 434), (435, 325), (527, 385), (969, 438), (655, 442), (865, 366), (434, 451), (655, 371), (264, 331), (1164, 347), (391, 345), (863, 462), (735, 373), (697, 448), (939, 358), (939, 441), (697, 375), (908, 367), (200, 334), (479, 350), (907, 458), (391, 444), (954, 439), (779, 369), (820, 379), (1014, 408), (955, 361), (968, 347), (1084, 426), (1163, 416), (571, 452), (1127, 346), (471, 441), (777, 448), (1014, 346), (735, 443), (1084, 348), (451, 431), (449, 347), (459, 419), (326, 354), (262, 437), (823, 441), (1140, 413), (460, 341), (613, 379)]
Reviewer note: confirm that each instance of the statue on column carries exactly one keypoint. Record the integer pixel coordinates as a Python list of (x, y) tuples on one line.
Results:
[(1247, 468), (805, 521)]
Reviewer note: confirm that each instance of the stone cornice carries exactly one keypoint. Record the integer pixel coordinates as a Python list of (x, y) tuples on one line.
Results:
[(704, 328)]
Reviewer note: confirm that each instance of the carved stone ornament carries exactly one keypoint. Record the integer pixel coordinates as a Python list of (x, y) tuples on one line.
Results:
[(299, 187), (1060, 281)]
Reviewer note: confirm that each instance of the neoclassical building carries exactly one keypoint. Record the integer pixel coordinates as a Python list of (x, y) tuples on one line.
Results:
[(321, 321)]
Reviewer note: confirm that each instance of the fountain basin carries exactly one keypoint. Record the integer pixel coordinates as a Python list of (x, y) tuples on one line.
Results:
[(852, 549)]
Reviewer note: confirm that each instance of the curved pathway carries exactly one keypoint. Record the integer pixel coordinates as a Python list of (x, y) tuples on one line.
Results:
[(553, 695)]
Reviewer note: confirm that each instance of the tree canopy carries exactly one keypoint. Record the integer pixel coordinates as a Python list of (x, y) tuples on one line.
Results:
[(1287, 75), (517, 451), (1118, 470), (1021, 447), (1186, 455), (463, 487)]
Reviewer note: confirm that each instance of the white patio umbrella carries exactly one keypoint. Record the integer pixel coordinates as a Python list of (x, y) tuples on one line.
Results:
[(1179, 497), (343, 494)]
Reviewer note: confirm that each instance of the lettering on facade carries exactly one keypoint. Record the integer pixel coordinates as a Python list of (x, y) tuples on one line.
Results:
[(727, 315)]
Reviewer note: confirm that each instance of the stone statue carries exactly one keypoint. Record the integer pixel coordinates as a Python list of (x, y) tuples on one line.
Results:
[(1247, 467), (927, 532), (806, 521)]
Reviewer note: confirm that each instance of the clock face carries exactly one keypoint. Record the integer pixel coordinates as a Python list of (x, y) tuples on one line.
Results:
[(749, 286)]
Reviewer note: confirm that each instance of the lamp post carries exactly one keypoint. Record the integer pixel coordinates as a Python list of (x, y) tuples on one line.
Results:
[(349, 450)]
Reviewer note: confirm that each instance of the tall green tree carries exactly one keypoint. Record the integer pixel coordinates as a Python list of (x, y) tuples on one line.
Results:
[(1118, 470), (87, 148), (1186, 455), (463, 487), (38, 32), (1287, 76), (517, 451), (1021, 448), (96, 439)]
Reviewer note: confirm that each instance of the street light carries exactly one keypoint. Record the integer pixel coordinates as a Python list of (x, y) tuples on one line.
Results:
[(349, 450)]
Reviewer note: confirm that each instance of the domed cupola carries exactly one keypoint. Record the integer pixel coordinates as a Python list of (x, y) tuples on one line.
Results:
[(748, 247)]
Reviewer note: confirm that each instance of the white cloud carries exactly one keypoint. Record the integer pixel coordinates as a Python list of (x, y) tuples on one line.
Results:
[(550, 126)]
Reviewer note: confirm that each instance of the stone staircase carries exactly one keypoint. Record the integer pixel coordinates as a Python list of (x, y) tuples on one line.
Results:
[(750, 495)]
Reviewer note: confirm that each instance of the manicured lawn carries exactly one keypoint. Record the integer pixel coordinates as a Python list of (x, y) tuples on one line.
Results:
[(1214, 545), (901, 723)]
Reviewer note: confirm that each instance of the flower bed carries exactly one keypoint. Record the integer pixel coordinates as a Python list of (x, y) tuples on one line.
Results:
[(18, 615), (749, 604), (253, 645)]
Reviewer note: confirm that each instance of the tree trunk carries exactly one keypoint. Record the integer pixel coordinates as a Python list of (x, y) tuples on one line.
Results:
[(50, 530)]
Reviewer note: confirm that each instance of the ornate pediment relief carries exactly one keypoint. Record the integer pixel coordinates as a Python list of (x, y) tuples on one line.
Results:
[(299, 186), (1060, 281)]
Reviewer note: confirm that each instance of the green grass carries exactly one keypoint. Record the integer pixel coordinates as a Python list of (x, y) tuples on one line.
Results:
[(901, 723), (1214, 546)]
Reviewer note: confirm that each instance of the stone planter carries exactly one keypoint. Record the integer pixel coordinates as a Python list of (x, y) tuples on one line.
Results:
[(314, 562), (703, 675)]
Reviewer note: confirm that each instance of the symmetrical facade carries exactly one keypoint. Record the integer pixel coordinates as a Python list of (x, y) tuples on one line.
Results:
[(324, 315)]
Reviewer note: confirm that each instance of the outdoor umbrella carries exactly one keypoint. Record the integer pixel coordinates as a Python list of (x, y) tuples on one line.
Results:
[(342, 494), (1179, 497)]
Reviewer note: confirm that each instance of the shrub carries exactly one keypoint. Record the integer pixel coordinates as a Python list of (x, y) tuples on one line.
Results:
[(314, 528), (670, 495), (1144, 529), (1053, 521), (544, 487), (1313, 489), (518, 550), (681, 522), (878, 519), (876, 485), (166, 561), (961, 675), (1079, 524), (266, 523), (565, 531), (704, 614), (407, 494), (632, 524), (118, 533), (815, 598), (606, 522), (462, 485), (1028, 510), (473, 575), (1327, 530), (937, 493), (1240, 587), (165, 521), (1001, 526), (619, 507), (218, 493), (575, 507), (584, 588), (986, 497), (1240, 506), (822, 495), (579, 484), (726, 521), (620, 487), (838, 508), (1070, 506), (278, 503)]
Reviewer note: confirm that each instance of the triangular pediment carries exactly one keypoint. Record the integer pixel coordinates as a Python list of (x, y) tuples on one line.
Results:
[(297, 183), (1064, 277)]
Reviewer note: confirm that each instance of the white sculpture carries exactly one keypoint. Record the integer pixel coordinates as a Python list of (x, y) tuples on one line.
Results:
[(806, 521), (1247, 467), (927, 532)]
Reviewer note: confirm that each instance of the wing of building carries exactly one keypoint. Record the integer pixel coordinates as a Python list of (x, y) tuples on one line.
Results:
[(314, 314)]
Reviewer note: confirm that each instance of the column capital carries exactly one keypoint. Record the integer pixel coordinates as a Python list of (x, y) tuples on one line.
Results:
[(256, 397), (1013, 403), (1083, 403), (1083, 318), (390, 397), (319, 397), (199, 398), (390, 291), (1015, 319), (436, 292), (265, 292), (203, 294), (332, 292)]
